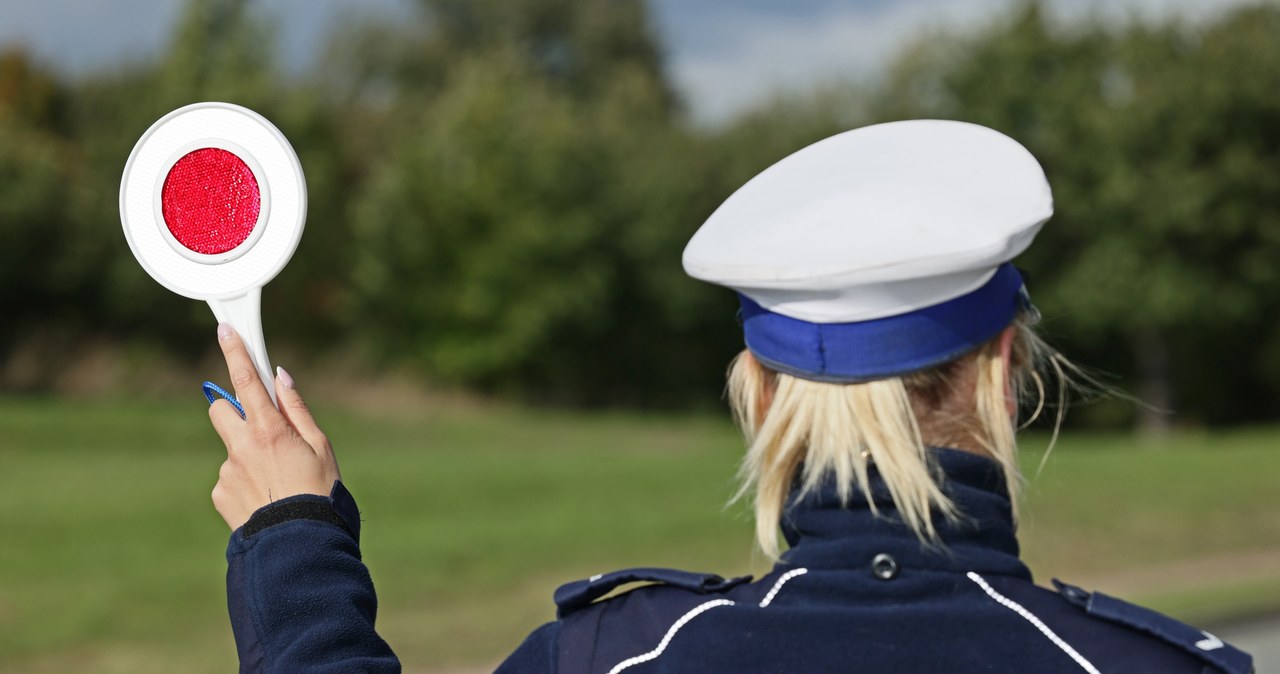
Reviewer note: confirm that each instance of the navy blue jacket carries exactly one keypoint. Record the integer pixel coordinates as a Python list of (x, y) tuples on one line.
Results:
[(300, 598), (856, 592)]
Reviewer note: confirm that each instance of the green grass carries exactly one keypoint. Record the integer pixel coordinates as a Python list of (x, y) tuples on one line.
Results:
[(1109, 502), (111, 555)]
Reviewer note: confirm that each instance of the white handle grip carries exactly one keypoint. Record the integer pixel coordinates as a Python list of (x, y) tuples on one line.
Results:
[(244, 313)]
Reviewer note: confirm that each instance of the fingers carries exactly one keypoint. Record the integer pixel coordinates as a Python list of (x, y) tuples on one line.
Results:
[(226, 420), (249, 388), (296, 411)]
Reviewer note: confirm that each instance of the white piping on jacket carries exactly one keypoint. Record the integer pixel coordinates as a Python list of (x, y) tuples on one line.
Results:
[(698, 610), (1031, 618), (670, 633), (768, 598)]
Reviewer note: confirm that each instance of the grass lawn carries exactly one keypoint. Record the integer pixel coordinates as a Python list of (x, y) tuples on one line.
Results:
[(111, 556)]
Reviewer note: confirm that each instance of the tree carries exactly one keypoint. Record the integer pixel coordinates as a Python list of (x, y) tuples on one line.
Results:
[(1163, 172), (521, 231), (35, 177)]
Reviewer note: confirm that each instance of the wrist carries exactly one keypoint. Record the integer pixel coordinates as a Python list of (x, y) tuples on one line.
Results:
[(338, 508)]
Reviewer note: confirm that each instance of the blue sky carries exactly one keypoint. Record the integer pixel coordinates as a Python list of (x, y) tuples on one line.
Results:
[(724, 55)]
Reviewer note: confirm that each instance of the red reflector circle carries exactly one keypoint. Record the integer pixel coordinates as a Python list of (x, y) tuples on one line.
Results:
[(210, 201)]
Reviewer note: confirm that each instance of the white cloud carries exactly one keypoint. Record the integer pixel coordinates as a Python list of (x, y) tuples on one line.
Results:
[(725, 55), (81, 35), (770, 55)]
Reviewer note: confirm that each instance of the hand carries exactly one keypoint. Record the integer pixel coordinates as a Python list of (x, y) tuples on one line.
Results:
[(271, 453)]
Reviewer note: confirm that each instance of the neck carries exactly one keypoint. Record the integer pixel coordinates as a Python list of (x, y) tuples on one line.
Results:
[(966, 441), (825, 533)]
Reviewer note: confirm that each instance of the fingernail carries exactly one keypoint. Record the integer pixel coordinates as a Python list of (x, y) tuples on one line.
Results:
[(284, 378), (224, 332)]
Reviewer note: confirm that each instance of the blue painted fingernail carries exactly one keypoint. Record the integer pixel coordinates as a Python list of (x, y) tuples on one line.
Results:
[(212, 392)]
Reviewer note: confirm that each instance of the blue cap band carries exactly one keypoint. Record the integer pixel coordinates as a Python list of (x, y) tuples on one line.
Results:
[(884, 347)]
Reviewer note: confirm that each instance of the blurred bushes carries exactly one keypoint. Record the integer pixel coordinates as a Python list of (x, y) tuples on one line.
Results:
[(500, 191), (1163, 147)]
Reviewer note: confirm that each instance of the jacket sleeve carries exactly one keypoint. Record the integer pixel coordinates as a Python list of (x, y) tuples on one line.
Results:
[(300, 598), (537, 655)]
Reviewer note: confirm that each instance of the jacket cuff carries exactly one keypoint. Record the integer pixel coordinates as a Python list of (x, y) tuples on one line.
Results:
[(338, 508)]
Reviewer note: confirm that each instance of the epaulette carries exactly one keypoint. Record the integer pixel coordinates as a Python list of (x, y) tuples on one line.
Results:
[(580, 594), (1203, 645)]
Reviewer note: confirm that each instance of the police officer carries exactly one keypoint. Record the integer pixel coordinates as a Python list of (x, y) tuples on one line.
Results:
[(889, 340)]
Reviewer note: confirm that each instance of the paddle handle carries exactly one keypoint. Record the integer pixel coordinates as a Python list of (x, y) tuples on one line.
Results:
[(244, 313)]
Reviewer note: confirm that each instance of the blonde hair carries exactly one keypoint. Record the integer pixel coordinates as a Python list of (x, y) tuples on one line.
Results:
[(831, 430)]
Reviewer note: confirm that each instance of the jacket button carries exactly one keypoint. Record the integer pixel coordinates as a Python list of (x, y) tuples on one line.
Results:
[(1075, 594), (884, 567)]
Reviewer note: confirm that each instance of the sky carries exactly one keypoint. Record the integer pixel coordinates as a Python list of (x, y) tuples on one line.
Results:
[(724, 55)]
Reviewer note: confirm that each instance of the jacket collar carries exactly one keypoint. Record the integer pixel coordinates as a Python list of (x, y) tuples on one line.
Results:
[(823, 533)]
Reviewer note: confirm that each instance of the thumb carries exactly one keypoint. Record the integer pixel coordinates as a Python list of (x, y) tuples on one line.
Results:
[(297, 412)]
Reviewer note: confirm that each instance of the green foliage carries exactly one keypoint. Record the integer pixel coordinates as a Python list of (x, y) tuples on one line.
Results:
[(479, 230), (35, 173), (500, 191), (1162, 144), (525, 220)]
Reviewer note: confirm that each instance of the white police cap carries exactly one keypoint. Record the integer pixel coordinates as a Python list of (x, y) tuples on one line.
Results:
[(878, 251)]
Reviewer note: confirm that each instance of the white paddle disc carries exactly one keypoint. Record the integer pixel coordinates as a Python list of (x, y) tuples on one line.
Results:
[(213, 203)]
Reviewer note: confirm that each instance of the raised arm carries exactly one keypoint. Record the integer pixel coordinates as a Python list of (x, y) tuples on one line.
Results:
[(300, 597)]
